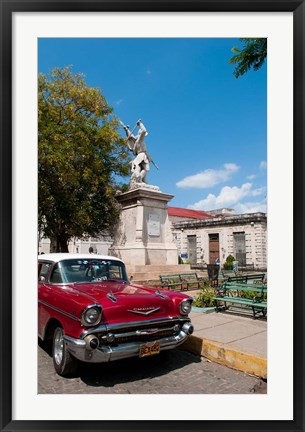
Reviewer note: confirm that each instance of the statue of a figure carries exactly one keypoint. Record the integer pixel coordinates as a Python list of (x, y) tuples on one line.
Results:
[(140, 164)]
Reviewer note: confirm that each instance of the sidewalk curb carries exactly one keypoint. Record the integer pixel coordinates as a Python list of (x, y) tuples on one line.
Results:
[(227, 355)]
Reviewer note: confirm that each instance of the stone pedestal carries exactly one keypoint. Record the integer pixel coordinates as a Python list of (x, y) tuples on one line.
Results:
[(143, 236)]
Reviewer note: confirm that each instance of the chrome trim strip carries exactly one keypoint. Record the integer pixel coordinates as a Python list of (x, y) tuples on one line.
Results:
[(142, 332), (59, 310), (188, 298), (140, 312), (93, 330), (112, 297), (144, 322), (159, 293), (113, 327)]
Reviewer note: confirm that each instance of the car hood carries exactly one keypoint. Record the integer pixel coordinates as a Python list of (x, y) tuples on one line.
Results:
[(128, 302)]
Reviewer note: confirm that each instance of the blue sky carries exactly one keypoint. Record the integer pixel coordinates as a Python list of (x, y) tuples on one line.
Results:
[(207, 129)]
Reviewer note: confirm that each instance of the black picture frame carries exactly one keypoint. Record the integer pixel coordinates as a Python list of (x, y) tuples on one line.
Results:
[(7, 9)]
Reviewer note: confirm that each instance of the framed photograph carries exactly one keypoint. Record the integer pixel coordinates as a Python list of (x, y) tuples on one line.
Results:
[(23, 26)]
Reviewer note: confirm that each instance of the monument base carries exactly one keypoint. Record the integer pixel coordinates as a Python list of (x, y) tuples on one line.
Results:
[(143, 235), (150, 274)]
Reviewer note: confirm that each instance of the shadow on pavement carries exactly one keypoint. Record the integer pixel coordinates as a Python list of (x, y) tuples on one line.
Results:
[(128, 370), (135, 369), (46, 346), (244, 314)]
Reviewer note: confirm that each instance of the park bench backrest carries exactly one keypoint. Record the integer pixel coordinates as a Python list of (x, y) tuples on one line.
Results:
[(245, 278), (189, 276), (244, 287), (171, 277), (228, 273)]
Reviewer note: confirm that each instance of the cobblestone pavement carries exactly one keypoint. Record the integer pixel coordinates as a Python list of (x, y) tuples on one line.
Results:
[(170, 372)]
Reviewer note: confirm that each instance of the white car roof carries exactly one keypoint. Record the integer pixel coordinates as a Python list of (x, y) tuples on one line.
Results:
[(55, 257)]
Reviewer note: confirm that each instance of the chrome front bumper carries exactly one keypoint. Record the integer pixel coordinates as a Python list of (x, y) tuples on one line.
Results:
[(105, 353)]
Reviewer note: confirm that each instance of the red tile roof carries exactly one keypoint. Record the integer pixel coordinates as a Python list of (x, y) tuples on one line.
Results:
[(187, 213)]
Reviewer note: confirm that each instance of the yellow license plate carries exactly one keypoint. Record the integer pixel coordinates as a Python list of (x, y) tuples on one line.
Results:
[(149, 349)]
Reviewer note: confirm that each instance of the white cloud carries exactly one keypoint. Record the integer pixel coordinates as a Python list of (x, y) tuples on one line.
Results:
[(148, 71), (251, 177), (263, 165), (208, 178), (258, 191), (230, 197), (119, 102), (251, 207)]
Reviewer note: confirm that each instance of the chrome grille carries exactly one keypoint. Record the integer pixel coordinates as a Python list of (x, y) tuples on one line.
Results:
[(143, 333), (143, 337)]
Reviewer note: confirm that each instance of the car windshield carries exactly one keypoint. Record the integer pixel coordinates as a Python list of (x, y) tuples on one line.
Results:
[(88, 270)]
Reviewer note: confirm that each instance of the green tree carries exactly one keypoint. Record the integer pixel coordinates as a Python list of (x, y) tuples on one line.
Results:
[(80, 158), (228, 265), (252, 54)]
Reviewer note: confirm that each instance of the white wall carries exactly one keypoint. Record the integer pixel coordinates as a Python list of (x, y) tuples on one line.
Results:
[(255, 241)]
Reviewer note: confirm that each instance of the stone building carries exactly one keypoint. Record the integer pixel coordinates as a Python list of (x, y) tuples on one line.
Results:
[(202, 237), (203, 240), (100, 245)]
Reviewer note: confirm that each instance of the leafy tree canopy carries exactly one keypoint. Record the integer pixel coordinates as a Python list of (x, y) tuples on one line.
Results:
[(80, 156), (251, 55)]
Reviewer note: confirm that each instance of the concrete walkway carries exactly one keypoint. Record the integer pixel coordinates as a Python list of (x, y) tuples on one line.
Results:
[(233, 339)]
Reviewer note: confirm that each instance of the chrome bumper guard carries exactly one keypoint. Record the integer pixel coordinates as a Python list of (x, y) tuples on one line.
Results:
[(105, 353)]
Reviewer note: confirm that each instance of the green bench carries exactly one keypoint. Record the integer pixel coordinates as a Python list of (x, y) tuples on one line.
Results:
[(233, 295), (191, 280), (182, 280), (171, 281), (224, 275), (228, 273), (245, 278)]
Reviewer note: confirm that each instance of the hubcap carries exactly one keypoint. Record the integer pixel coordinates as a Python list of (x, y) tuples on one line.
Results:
[(58, 347)]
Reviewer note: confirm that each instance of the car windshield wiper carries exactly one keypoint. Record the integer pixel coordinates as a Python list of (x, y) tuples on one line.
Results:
[(98, 280), (79, 282), (115, 280)]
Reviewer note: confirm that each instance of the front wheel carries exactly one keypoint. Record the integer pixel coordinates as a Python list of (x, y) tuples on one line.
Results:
[(63, 362)]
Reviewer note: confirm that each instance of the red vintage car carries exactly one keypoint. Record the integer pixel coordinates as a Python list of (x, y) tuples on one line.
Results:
[(92, 313)]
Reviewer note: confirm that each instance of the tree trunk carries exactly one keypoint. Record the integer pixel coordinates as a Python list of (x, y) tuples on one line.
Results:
[(59, 244)]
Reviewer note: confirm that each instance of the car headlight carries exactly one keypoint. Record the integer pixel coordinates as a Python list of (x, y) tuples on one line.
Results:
[(185, 306), (91, 315)]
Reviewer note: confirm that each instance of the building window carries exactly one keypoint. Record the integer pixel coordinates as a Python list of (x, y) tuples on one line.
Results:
[(240, 247), (192, 248)]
